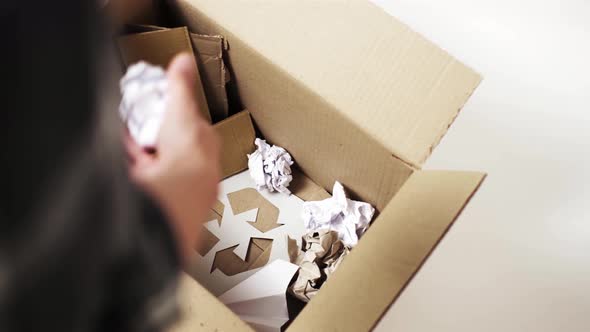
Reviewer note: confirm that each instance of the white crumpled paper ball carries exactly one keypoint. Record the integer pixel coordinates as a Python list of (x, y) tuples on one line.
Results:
[(270, 167), (144, 89), (349, 218)]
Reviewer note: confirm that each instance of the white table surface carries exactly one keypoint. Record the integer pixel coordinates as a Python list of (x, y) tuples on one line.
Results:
[(518, 259)]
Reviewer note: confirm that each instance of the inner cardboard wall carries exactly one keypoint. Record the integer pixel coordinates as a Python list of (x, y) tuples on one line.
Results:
[(325, 145), (159, 49), (237, 137)]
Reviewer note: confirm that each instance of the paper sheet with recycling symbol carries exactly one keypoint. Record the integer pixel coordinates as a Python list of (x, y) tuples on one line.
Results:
[(247, 230)]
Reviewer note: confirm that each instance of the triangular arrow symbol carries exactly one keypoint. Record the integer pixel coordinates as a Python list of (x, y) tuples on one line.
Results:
[(249, 199), (231, 264)]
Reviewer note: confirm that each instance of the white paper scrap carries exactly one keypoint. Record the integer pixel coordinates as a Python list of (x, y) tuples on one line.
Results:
[(347, 217), (267, 307), (270, 167), (143, 106), (261, 300), (264, 324), (271, 280)]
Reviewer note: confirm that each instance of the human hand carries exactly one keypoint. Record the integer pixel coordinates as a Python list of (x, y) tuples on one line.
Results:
[(184, 172)]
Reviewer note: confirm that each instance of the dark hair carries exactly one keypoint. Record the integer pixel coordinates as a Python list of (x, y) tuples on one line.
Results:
[(48, 71), (80, 247)]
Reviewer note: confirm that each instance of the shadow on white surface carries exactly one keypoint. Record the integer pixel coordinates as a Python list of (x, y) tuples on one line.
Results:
[(519, 257)]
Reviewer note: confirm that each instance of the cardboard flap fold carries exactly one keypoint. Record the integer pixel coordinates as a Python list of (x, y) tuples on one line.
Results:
[(159, 48), (214, 76), (397, 86), (390, 253), (203, 311), (237, 141)]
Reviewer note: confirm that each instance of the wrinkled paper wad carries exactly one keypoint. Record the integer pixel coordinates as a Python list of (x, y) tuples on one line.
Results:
[(270, 167), (348, 218), (320, 255), (144, 89)]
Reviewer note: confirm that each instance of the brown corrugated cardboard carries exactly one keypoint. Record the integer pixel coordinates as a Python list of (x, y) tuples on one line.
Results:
[(326, 145), (159, 48), (354, 96), (209, 50), (304, 188), (237, 141), (202, 311), (248, 199), (390, 81), (390, 253), (209, 53), (237, 135)]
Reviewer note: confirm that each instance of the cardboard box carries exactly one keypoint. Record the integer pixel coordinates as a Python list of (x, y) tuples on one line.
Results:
[(356, 96)]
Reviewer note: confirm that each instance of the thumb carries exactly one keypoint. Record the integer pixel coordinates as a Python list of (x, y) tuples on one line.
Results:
[(182, 76)]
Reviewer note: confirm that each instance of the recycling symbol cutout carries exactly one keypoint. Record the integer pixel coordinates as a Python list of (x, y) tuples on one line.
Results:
[(247, 229)]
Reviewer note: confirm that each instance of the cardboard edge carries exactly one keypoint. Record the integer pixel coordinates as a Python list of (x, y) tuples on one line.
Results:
[(467, 201), (194, 299), (123, 43), (302, 186), (305, 188), (236, 162), (200, 96), (368, 304), (448, 125), (407, 26), (208, 50)]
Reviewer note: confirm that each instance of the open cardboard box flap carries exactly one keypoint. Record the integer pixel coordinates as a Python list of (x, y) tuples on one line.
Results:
[(349, 91), (159, 48), (390, 253), (389, 80), (204, 312)]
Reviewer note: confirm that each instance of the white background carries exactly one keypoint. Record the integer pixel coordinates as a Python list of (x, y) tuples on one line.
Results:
[(518, 259)]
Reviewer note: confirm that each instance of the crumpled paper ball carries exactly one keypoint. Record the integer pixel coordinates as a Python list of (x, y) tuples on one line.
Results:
[(144, 90), (320, 255), (347, 217), (270, 167)]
